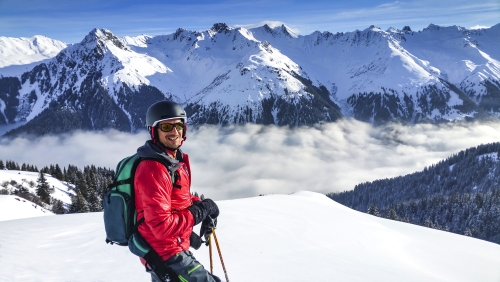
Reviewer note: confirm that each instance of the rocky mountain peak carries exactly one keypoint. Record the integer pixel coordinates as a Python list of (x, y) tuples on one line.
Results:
[(288, 32), (220, 27), (407, 29), (178, 33), (432, 27), (279, 30), (100, 37)]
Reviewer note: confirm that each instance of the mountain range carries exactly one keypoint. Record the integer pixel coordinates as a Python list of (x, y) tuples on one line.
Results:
[(264, 75)]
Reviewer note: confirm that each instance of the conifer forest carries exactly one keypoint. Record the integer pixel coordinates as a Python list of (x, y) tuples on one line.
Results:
[(460, 194)]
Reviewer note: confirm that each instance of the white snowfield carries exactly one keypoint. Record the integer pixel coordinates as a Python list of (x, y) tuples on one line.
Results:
[(14, 207), (300, 237)]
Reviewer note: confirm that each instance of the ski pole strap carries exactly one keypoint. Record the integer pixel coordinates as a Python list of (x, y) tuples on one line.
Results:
[(213, 223)]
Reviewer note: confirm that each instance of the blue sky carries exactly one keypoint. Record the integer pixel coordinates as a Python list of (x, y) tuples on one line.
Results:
[(71, 20)]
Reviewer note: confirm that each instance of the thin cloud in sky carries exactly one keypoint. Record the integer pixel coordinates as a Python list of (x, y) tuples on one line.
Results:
[(388, 5), (70, 21), (418, 14), (244, 161), (478, 27)]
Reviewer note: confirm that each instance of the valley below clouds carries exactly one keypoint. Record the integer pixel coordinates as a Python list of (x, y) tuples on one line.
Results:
[(248, 160)]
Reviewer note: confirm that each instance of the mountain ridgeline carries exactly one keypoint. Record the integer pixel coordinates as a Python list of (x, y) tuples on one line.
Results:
[(460, 194), (264, 75)]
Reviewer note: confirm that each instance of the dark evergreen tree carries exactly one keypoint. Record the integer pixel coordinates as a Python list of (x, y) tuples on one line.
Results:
[(94, 201), (58, 174), (81, 184), (2, 166), (373, 210), (78, 204), (52, 170), (392, 214), (65, 178), (58, 207), (71, 174), (43, 189)]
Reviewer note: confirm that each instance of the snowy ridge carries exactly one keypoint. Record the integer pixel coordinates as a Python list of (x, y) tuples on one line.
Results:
[(277, 240), (402, 60), (268, 75), (22, 50), (18, 55), (229, 53)]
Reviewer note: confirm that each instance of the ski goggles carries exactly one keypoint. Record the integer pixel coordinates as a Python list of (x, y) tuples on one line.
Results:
[(167, 127)]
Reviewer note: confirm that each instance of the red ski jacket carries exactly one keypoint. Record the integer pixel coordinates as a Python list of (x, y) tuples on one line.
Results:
[(168, 224)]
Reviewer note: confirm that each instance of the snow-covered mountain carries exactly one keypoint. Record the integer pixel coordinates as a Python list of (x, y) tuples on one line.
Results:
[(266, 75), (300, 237), (19, 55)]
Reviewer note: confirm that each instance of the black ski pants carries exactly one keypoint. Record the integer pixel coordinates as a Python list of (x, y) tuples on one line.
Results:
[(187, 269)]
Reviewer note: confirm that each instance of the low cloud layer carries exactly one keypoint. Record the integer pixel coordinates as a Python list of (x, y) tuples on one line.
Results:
[(245, 161)]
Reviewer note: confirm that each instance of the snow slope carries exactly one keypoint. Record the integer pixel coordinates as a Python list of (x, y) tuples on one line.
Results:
[(13, 207), (300, 237), (62, 190)]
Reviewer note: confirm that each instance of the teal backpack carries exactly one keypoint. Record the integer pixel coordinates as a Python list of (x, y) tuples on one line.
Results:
[(120, 215)]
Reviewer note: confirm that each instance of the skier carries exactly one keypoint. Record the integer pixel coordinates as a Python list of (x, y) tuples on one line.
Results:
[(163, 198)]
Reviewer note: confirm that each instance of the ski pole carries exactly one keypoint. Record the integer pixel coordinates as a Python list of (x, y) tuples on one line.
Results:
[(210, 253), (220, 254)]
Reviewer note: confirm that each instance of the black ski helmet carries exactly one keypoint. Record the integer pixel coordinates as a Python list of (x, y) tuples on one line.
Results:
[(165, 110)]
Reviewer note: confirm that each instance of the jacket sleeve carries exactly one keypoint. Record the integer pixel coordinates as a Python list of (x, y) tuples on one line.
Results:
[(153, 188)]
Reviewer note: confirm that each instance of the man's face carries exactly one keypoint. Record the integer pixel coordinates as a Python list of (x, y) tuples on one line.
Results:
[(173, 138)]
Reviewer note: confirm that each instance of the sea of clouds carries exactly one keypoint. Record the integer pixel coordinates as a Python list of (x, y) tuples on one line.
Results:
[(245, 161)]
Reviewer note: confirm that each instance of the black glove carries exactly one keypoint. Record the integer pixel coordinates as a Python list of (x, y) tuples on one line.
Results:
[(206, 227), (201, 210), (195, 241)]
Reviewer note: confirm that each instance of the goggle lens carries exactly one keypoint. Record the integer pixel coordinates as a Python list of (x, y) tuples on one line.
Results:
[(167, 127)]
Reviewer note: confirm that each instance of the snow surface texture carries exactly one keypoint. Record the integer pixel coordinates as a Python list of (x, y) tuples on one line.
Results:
[(14, 207), (300, 237)]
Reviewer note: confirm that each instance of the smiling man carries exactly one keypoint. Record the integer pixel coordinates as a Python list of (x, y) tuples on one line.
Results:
[(163, 198)]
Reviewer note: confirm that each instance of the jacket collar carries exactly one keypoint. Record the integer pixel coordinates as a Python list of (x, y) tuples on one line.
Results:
[(152, 151)]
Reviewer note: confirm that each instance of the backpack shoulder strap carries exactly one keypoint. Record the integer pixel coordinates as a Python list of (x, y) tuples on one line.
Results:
[(186, 161), (125, 170)]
